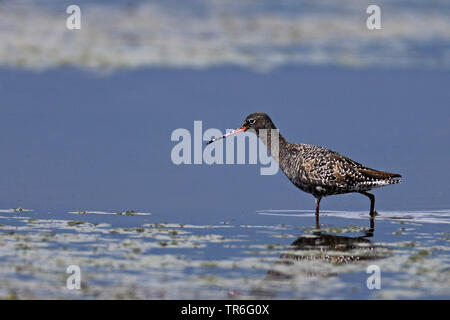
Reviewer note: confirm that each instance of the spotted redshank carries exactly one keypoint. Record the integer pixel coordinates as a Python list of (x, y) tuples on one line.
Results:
[(317, 170)]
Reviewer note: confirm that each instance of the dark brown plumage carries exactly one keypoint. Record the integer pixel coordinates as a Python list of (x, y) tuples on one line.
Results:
[(317, 170)]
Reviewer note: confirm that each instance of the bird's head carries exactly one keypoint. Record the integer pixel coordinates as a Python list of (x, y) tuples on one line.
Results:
[(255, 121), (258, 121)]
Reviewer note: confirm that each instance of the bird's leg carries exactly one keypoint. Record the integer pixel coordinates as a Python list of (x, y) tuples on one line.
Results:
[(317, 205), (373, 213), (317, 212), (369, 233)]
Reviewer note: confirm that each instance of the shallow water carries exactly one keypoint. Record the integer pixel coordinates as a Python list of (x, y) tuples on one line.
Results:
[(84, 159), (141, 255), (87, 116), (71, 139)]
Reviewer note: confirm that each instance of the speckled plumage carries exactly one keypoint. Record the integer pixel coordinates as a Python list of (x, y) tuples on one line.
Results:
[(323, 172), (320, 171)]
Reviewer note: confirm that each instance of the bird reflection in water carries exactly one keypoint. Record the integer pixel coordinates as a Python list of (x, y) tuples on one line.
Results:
[(315, 255)]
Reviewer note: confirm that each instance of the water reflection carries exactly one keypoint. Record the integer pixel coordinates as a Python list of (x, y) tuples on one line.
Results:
[(318, 254)]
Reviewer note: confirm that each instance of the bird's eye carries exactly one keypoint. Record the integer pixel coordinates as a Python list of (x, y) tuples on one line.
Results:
[(251, 121)]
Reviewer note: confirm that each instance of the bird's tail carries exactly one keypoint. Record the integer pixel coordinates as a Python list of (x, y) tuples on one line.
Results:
[(381, 177)]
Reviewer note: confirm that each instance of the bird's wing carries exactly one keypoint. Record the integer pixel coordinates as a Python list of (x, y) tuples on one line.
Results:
[(332, 169), (328, 169)]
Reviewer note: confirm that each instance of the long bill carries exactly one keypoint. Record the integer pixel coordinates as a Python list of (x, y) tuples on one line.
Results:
[(242, 129)]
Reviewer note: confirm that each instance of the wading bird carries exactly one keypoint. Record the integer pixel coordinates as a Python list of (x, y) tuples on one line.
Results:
[(317, 170)]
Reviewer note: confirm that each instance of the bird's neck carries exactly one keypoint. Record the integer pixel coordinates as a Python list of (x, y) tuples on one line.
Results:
[(274, 141)]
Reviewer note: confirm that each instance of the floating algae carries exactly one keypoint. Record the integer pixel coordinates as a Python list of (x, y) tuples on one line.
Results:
[(147, 259)]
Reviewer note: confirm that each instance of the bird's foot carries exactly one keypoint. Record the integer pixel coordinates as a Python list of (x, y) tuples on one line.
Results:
[(368, 233)]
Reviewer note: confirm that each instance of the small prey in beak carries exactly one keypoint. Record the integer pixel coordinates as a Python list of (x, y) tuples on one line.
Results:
[(228, 134)]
